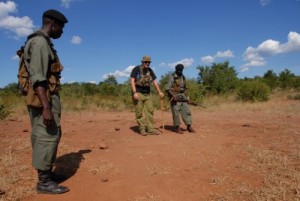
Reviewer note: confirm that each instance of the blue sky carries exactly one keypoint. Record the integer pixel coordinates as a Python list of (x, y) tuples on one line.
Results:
[(109, 37)]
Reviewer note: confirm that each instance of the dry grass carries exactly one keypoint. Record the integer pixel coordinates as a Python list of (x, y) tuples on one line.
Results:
[(154, 169), (281, 179), (102, 167), (13, 182), (18, 178), (148, 197)]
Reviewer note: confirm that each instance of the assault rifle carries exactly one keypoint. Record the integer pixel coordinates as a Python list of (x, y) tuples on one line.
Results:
[(195, 104), (190, 103)]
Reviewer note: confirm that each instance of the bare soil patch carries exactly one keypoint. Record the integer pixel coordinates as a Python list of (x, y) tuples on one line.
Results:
[(239, 152)]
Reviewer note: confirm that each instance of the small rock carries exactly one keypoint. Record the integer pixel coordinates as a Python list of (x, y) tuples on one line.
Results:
[(102, 145), (104, 179), (2, 192)]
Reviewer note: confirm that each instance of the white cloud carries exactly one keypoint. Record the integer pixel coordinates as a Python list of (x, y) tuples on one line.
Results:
[(264, 2), (125, 73), (225, 54), (6, 8), (245, 69), (207, 59), (256, 56), (76, 40), (186, 62), (293, 43), (210, 59), (66, 3), (19, 26), (162, 64), (15, 57)]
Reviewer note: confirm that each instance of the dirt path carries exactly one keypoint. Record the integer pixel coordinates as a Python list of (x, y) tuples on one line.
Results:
[(229, 158)]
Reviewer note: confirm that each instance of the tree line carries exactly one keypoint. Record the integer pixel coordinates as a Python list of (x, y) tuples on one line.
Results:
[(217, 79)]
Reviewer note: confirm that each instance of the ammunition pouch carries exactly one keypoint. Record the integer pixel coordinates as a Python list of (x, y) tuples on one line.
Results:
[(54, 77), (180, 97), (53, 87), (144, 81), (32, 98)]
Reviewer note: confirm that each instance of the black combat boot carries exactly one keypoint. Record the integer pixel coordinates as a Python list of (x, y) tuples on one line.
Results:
[(58, 178), (47, 185), (190, 129), (178, 130)]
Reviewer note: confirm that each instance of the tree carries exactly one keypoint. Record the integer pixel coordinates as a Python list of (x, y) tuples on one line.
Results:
[(219, 78), (164, 80), (111, 79), (286, 79), (11, 88), (271, 79)]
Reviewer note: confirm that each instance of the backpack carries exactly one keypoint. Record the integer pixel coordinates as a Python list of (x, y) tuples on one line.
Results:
[(23, 74)]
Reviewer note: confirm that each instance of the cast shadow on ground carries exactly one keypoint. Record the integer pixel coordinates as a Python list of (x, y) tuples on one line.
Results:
[(68, 164), (160, 128)]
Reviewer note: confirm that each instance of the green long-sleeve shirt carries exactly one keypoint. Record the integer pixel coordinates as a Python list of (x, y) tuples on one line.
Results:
[(38, 58)]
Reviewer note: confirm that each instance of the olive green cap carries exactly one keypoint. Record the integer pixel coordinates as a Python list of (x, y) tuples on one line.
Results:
[(146, 58)]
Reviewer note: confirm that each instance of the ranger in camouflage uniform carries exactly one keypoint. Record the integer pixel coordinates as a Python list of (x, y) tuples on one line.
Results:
[(177, 91), (43, 100), (141, 78)]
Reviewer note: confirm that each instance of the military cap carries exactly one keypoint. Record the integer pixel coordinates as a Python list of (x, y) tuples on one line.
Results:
[(146, 58), (55, 15), (179, 67)]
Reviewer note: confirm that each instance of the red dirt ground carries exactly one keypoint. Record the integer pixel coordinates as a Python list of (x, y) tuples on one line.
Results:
[(221, 161)]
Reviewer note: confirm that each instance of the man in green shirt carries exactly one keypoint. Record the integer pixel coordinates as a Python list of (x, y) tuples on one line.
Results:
[(43, 99), (178, 93)]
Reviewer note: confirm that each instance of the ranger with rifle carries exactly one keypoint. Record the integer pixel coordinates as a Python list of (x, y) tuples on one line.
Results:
[(178, 94)]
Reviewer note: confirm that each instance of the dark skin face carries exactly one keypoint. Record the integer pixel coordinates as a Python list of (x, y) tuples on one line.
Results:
[(57, 30), (179, 72), (53, 28)]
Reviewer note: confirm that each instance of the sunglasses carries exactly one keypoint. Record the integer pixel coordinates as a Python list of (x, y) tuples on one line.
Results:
[(147, 62)]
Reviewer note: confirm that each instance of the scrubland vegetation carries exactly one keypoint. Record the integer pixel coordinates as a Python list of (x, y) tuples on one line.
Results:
[(218, 80)]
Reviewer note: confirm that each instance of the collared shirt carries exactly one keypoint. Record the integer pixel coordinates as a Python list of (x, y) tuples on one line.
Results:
[(38, 58)]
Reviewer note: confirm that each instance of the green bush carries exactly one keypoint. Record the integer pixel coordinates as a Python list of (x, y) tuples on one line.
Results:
[(253, 91)]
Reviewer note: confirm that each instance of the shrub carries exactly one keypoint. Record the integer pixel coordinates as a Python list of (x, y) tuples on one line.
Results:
[(253, 91)]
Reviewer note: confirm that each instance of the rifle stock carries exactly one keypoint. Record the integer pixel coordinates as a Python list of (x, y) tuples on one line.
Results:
[(190, 103), (195, 104)]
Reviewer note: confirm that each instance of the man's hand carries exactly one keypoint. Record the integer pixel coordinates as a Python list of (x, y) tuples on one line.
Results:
[(135, 96), (48, 117), (161, 94)]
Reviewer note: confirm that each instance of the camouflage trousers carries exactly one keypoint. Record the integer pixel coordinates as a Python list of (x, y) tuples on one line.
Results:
[(144, 112), (181, 109), (45, 139)]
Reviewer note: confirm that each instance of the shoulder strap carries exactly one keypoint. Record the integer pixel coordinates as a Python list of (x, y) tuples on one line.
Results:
[(183, 78), (39, 33)]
